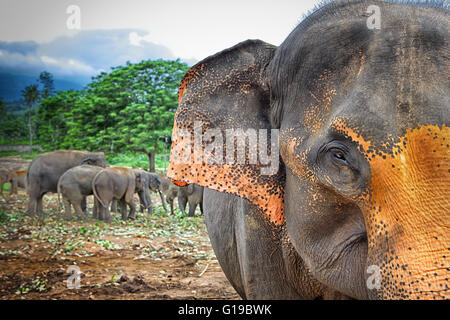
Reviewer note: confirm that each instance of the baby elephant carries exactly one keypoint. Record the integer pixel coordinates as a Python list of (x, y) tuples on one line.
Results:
[(74, 185), (18, 179), (116, 183), (170, 190), (192, 194), (150, 182)]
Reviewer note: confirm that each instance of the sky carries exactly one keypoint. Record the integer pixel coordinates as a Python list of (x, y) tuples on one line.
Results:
[(40, 35)]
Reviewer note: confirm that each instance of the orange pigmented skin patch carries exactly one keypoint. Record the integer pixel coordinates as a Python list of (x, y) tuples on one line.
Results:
[(266, 192), (407, 213), (179, 183)]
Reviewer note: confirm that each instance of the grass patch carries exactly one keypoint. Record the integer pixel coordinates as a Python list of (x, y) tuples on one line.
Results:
[(136, 160)]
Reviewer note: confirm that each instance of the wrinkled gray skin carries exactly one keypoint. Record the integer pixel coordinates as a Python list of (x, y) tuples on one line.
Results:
[(18, 179), (46, 169), (170, 190), (74, 185), (116, 183), (150, 182), (382, 82), (192, 195)]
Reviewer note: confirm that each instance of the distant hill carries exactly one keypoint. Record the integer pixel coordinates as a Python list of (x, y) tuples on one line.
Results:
[(12, 84)]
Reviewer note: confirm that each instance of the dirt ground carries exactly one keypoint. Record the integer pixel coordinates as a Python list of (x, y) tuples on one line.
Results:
[(156, 256)]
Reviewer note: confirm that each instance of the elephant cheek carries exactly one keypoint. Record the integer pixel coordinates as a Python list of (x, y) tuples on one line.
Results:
[(407, 217)]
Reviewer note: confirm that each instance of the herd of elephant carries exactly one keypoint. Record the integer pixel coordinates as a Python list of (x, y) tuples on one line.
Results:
[(74, 175)]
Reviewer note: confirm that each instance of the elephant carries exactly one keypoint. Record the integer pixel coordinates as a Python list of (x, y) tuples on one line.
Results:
[(116, 183), (45, 170), (74, 186), (150, 182), (4, 178), (344, 193), (170, 190), (192, 194), (18, 179)]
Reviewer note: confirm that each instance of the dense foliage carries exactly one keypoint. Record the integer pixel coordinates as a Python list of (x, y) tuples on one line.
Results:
[(128, 109)]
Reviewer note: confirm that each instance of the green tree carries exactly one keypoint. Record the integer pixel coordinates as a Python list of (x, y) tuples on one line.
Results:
[(30, 95), (2, 110), (46, 80), (147, 119), (129, 109), (55, 117)]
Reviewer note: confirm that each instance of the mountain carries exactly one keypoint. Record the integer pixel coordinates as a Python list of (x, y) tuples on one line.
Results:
[(11, 84)]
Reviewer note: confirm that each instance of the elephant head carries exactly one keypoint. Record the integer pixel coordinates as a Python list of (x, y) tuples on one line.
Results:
[(363, 183), (95, 159)]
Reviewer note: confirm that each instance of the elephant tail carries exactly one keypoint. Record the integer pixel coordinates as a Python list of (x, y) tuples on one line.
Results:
[(58, 189), (94, 190)]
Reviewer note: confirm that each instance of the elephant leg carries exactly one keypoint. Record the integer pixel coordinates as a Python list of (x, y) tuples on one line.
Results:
[(79, 209), (107, 217), (32, 203), (192, 207), (201, 207), (39, 206), (171, 206), (132, 214), (182, 201), (67, 211), (123, 209), (101, 213), (95, 209), (83, 204), (114, 206), (142, 202)]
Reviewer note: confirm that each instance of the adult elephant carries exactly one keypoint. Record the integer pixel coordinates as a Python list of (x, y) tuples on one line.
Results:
[(359, 206), (116, 183), (46, 169)]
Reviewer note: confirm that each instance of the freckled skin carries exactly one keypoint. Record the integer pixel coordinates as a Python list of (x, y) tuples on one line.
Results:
[(364, 145)]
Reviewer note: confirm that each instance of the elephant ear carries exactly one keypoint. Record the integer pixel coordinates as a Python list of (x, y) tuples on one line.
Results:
[(218, 96), (87, 160)]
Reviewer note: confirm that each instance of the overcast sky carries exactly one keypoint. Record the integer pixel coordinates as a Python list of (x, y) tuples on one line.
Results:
[(188, 28)]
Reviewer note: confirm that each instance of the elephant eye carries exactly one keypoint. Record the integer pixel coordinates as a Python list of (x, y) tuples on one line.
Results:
[(338, 155)]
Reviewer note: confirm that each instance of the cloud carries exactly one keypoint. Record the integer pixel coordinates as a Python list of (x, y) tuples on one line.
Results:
[(83, 54)]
